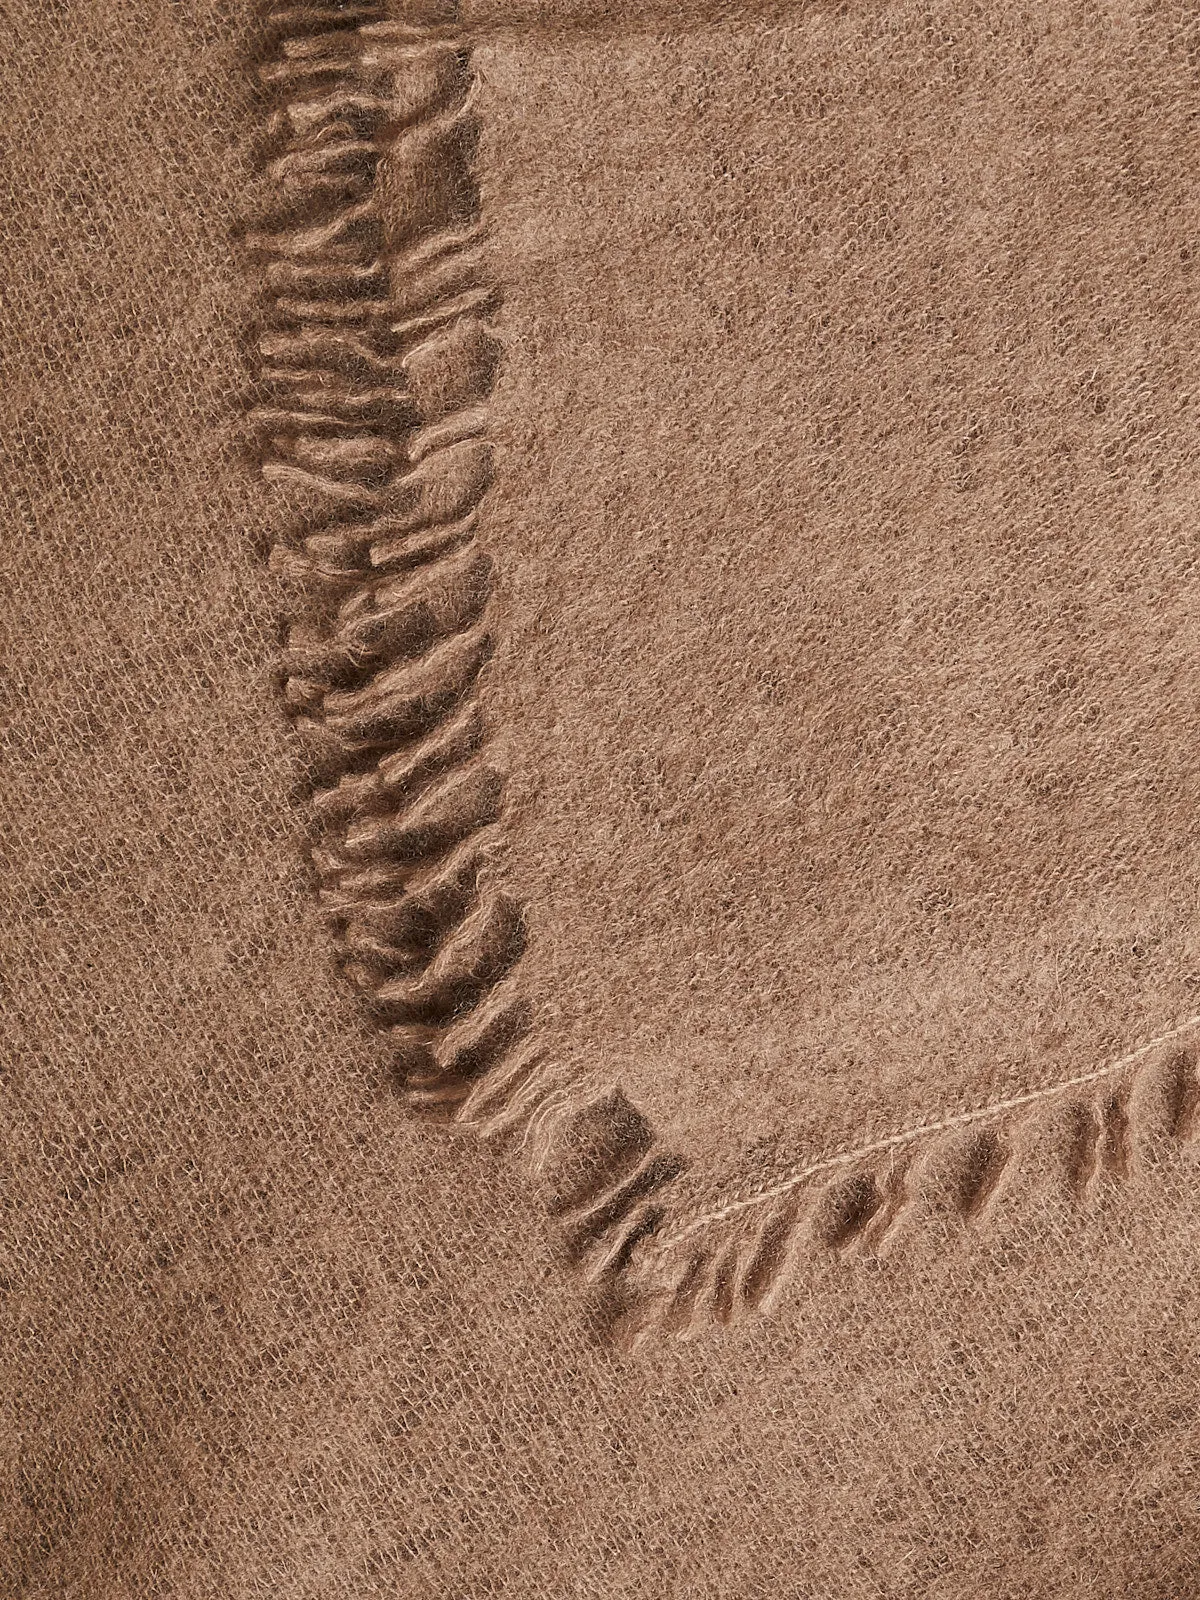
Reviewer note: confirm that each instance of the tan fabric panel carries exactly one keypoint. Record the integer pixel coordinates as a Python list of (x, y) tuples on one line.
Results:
[(264, 1329)]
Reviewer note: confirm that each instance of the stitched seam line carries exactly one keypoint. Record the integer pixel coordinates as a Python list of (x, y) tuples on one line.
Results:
[(801, 1173)]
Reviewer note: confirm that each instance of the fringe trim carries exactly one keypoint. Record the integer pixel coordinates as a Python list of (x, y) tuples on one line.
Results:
[(377, 361), (1080, 1137)]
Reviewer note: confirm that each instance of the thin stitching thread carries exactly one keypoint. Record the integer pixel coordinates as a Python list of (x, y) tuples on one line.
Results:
[(798, 1174)]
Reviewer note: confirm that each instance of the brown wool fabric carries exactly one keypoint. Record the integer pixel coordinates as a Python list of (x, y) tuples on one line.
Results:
[(599, 895)]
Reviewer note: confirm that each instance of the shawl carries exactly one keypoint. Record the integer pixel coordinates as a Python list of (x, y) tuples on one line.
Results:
[(599, 956)]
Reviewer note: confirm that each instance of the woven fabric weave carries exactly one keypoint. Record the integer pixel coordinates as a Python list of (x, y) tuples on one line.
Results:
[(266, 1327)]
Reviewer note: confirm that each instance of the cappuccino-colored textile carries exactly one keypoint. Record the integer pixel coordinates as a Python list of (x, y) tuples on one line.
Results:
[(268, 1332), (845, 512)]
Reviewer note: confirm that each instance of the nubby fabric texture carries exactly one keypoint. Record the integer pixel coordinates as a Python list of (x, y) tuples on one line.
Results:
[(597, 968)]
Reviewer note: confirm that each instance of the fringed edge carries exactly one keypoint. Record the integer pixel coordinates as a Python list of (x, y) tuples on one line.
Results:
[(1081, 1138), (377, 361)]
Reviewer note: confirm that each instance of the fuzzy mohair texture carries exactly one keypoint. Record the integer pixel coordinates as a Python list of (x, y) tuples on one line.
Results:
[(599, 706)]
